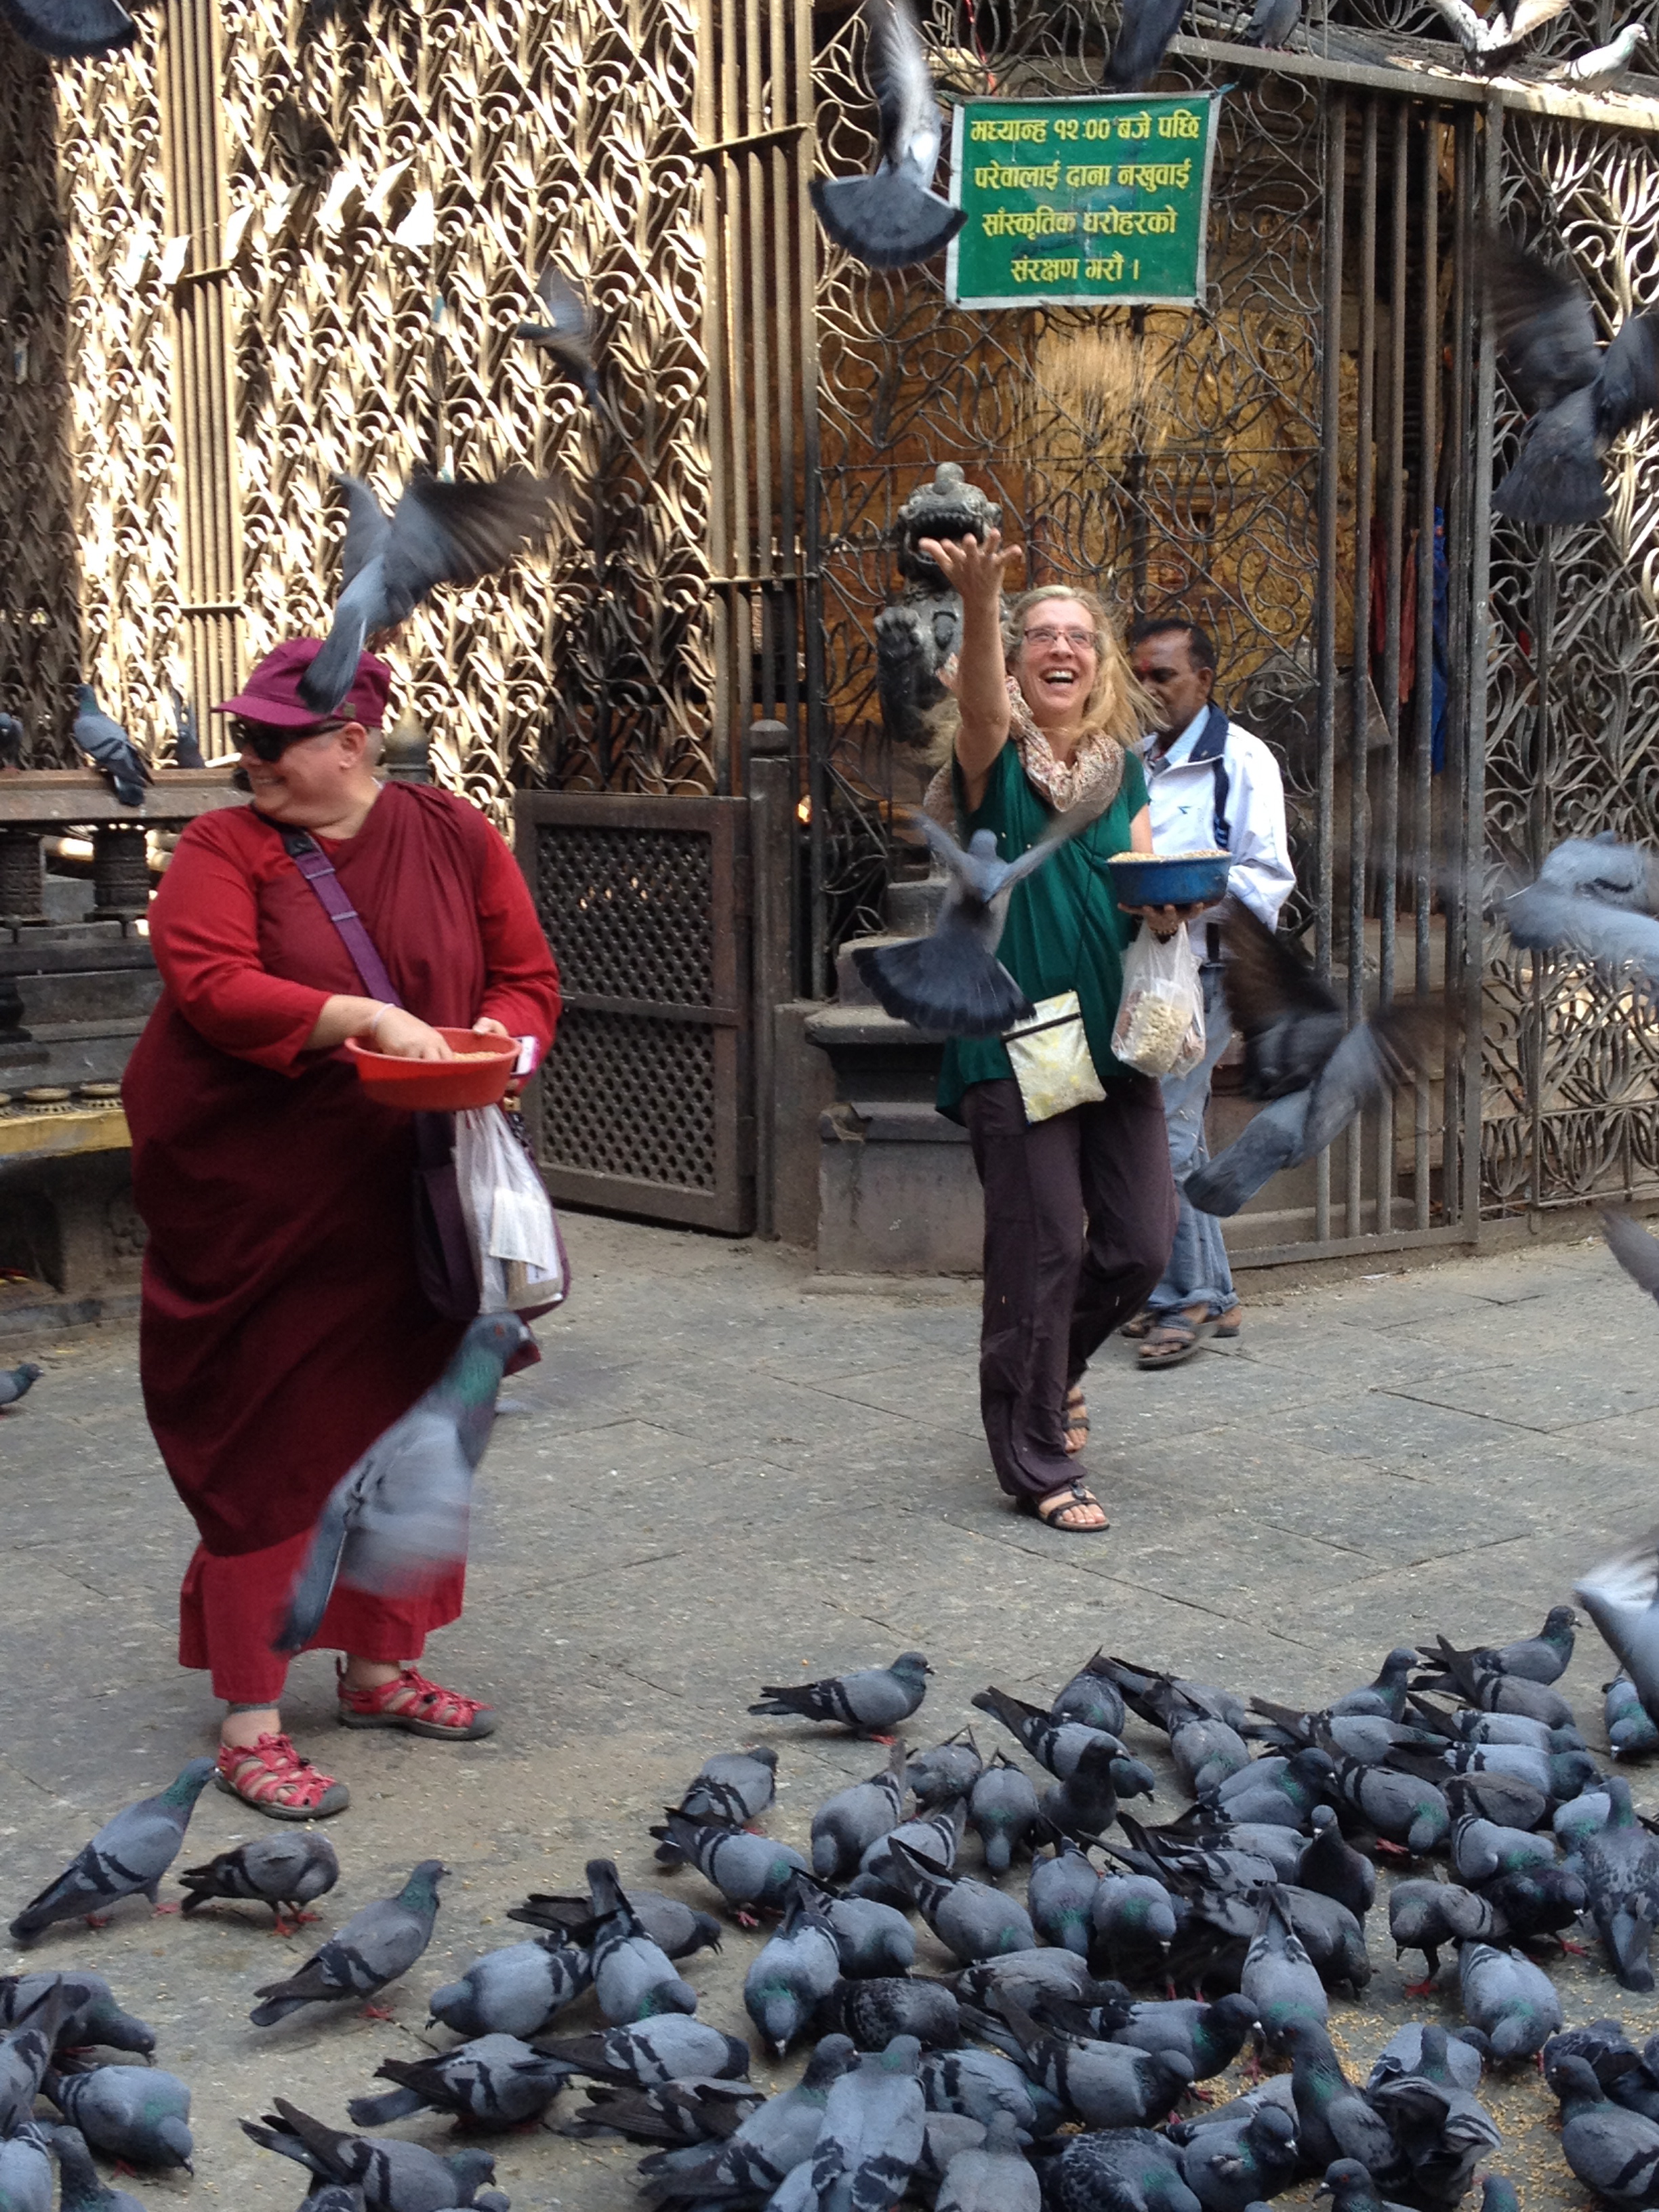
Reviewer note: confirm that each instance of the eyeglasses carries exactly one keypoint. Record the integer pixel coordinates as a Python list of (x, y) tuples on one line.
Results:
[(266, 742), (1046, 634)]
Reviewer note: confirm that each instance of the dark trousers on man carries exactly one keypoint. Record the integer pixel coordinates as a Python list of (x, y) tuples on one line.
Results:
[(1079, 1218)]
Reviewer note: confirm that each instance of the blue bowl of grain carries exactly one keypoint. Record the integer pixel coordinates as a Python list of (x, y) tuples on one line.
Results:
[(1169, 879)]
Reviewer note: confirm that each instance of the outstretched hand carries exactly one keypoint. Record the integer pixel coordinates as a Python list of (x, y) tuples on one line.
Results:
[(973, 570)]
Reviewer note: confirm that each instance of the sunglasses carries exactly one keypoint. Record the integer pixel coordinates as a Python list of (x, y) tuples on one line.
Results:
[(266, 742)]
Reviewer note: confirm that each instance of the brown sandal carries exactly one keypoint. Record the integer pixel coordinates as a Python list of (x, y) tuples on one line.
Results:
[(1075, 1420), (1066, 1501)]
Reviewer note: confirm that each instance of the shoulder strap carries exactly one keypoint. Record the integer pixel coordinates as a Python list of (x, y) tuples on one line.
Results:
[(317, 870)]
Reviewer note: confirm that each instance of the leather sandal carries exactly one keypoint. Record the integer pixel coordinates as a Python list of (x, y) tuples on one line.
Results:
[(1075, 1420), (1181, 1337), (272, 1776), (1063, 1501), (410, 1701)]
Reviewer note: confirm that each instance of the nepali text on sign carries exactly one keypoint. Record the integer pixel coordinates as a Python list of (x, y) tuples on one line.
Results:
[(1081, 200)]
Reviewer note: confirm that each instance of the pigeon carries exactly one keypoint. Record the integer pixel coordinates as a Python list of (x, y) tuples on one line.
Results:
[(567, 331), (1227, 2173), (27, 2182), (1138, 1686), (1614, 2152), (1330, 1936), (792, 1974), (109, 749), (949, 1771), (873, 1940), (82, 2190), (1481, 1849), (869, 1702), (972, 1920), (1512, 2002), (394, 2176), (1273, 22), (493, 2081), (1508, 1800), (1582, 396), (1210, 2035), (1107, 2085), (678, 1929), (1464, 1725), (768, 2146), (892, 218), (1597, 898), (380, 1942), (1134, 1916), (76, 2010), (1630, 1733), (26, 2058), (870, 2140), (1580, 1817), (1552, 1777), (70, 30), (1602, 2045), (1386, 1695), (1224, 1888), (753, 1874), (439, 533), (186, 741), (1332, 2118), (1333, 1868), (733, 1788), (1020, 1972), (1119, 2170), (873, 2012), (127, 1857), (1279, 1977), (1621, 1596), (845, 1826), (1279, 1792), (1596, 70), (1296, 1056), (1092, 1696), (1205, 1751), (994, 2177), (135, 2113), (1443, 2133), (633, 1977), (1402, 1808), (1060, 1897), (1085, 1804), (13, 738), (1403, 2054), (669, 2049), (1485, 39), (1144, 30), (936, 1839), (516, 1990), (1057, 1744), (16, 1383), (291, 1870), (1430, 1916), (1619, 1868), (397, 1517), (1536, 1902), (1282, 1848), (980, 2084), (682, 2114), (1002, 1806), (1350, 2189), (1541, 1658), (951, 982), (944, 2136)]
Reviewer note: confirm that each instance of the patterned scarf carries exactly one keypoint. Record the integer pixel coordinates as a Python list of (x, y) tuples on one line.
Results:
[(1091, 780)]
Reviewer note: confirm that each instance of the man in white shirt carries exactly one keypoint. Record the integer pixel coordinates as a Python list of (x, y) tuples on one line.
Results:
[(1211, 783)]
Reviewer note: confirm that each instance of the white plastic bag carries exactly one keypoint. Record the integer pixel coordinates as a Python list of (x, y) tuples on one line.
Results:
[(1160, 1017), (510, 1218)]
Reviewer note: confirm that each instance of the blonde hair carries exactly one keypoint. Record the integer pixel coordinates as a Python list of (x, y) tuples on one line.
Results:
[(1115, 705)]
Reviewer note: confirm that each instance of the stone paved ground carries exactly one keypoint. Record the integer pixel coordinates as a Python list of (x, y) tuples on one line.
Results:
[(721, 1478)]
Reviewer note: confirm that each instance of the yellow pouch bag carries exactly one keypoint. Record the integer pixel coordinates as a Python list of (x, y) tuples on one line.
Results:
[(1049, 1056)]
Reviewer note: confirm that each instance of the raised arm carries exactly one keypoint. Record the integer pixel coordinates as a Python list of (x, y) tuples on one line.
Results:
[(975, 571)]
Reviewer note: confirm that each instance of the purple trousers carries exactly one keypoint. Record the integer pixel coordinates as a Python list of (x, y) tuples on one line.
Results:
[(1080, 1216)]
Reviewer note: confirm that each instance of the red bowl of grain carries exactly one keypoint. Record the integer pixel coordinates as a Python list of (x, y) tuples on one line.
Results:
[(477, 1076)]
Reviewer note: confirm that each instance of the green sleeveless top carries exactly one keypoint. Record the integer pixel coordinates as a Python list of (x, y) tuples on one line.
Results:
[(1064, 931)]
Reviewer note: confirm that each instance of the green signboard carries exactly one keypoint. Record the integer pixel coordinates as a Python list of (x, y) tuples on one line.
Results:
[(1081, 200)]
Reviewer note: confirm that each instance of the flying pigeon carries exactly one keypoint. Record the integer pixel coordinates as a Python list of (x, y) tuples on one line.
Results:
[(1296, 1056), (398, 1516), (1144, 30), (951, 981), (136, 2114), (1581, 395), (892, 218), (186, 743), (292, 1869), (110, 750), (1621, 1596), (567, 332), (438, 533), (515, 1990), (1486, 38), (16, 1383), (1596, 70), (869, 1703), (127, 1857), (493, 2081), (1597, 898), (70, 30), (376, 1946), (394, 2176)]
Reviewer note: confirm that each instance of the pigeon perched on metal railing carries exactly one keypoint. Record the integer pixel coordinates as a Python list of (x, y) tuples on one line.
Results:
[(893, 218), (1596, 70), (109, 749), (127, 1857)]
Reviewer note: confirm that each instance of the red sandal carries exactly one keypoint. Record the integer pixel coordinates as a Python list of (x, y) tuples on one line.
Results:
[(411, 1703), (272, 1776)]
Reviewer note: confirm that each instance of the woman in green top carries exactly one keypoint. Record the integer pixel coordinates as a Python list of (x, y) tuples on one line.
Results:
[(1080, 1208)]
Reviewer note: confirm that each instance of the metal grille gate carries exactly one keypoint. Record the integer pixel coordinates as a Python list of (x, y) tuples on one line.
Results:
[(645, 1106)]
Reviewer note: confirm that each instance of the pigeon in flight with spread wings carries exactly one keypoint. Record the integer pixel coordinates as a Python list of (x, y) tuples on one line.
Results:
[(567, 331), (952, 980), (1596, 897), (891, 218), (439, 533), (1299, 1055), (70, 30), (1486, 38), (1582, 395), (1144, 32)]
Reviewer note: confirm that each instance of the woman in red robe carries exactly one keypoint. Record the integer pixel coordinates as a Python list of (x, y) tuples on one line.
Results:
[(283, 1327)]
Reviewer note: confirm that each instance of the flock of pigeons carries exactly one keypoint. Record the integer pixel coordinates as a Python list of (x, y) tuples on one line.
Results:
[(1040, 2072)]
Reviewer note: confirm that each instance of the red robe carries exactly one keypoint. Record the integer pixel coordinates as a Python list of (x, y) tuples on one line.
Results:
[(282, 1327)]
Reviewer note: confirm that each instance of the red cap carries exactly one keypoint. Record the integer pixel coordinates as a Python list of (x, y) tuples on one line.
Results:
[(272, 693)]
